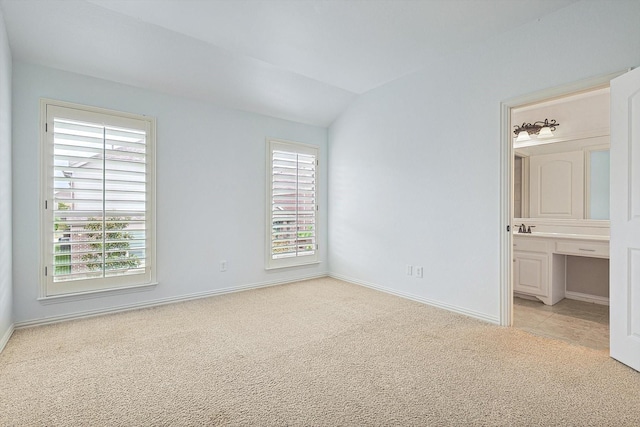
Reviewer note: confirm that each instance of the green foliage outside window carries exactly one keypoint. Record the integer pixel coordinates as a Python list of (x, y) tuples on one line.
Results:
[(116, 248), (62, 257)]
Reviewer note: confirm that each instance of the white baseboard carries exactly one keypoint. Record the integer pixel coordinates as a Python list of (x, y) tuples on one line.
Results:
[(587, 298), (206, 294), (525, 296), (159, 302), (5, 338), (438, 304)]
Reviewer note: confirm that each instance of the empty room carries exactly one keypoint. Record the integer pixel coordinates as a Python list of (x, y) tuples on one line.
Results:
[(319, 212)]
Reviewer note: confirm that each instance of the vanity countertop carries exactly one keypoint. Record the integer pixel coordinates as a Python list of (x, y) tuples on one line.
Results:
[(541, 234)]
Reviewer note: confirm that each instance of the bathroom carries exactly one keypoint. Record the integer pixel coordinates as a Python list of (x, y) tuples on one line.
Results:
[(560, 203)]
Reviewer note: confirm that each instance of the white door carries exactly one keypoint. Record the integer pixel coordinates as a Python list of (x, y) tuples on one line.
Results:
[(624, 295)]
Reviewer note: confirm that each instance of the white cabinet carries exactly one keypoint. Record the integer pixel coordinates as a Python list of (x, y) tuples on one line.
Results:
[(531, 273), (557, 185), (540, 262), (537, 271)]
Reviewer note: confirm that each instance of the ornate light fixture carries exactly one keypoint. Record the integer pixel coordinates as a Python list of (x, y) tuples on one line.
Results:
[(542, 129)]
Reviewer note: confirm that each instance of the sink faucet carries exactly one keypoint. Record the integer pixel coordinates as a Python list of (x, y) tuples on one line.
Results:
[(524, 229)]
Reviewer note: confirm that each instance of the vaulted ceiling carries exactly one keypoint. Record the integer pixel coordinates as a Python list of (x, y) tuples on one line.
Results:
[(303, 60)]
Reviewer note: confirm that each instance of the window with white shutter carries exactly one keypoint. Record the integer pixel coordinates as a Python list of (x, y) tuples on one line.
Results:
[(98, 202), (292, 224)]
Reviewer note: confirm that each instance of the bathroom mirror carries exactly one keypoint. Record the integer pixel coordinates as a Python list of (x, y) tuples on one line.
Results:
[(598, 181), (562, 180)]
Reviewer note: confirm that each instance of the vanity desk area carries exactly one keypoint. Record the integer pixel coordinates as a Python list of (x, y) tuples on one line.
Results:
[(540, 257)]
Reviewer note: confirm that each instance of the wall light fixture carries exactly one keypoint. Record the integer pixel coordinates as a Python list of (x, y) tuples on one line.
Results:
[(541, 129)]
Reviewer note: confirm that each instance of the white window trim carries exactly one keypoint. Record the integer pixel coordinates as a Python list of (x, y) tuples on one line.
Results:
[(45, 224), (270, 263)]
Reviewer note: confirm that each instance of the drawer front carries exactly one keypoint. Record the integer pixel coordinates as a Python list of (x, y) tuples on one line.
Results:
[(588, 249), (530, 244)]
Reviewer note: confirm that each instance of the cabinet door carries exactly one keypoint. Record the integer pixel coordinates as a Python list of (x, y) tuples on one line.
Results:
[(557, 185), (531, 273)]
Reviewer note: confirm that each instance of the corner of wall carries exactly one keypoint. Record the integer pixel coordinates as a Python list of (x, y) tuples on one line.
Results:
[(6, 222), (5, 338)]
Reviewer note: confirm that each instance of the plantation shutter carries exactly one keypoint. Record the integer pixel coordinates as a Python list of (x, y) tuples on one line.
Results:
[(98, 201), (293, 204)]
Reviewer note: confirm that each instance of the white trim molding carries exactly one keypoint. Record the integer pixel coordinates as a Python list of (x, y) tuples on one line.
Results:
[(161, 301), (506, 215), (427, 301), (64, 298), (586, 297), (6, 337)]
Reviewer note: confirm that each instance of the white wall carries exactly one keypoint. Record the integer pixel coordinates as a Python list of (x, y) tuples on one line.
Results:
[(415, 164), (6, 311), (210, 190)]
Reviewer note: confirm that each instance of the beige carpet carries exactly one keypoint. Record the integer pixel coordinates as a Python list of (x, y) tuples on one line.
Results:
[(320, 352)]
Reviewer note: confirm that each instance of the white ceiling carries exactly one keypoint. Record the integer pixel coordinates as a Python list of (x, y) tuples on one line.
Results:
[(302, 60)]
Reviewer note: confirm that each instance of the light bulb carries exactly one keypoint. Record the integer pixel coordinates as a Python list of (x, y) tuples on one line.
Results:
[(545, 132), (523, 136)]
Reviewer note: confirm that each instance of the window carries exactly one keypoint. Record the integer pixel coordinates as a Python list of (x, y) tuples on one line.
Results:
[(98, 207), (291, 204)]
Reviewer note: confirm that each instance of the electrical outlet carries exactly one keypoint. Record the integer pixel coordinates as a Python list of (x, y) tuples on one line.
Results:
[(419, 272), (223, 265), (409, 270)]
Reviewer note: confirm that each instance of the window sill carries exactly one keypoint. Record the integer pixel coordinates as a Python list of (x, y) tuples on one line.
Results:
[(305, 264), (98, 293)]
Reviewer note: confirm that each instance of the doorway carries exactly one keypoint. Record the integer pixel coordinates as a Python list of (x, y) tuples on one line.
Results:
[(555, 306)]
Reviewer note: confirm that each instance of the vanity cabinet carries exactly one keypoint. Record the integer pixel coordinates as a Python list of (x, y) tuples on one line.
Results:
[(531, 271), (532, 263), (540, 262), (537, 271)]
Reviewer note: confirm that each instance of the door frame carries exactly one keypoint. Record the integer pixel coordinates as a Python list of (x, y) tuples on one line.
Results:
[(506, 178)]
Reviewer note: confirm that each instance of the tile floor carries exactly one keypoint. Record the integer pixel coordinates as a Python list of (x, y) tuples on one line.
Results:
[(576, 322)]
